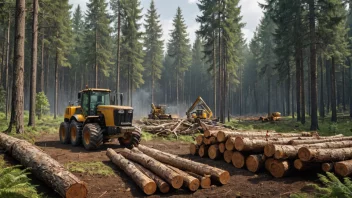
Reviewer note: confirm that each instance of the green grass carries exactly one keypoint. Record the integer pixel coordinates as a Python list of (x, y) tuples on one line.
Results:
[(287, 124), (91, 168)]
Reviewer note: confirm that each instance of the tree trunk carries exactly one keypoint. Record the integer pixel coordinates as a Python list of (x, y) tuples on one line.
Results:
[(313, 67), (56, 95), (238, 159), (118, 52), (343, 89), (158, 168), (18, 69), (328, 85), (350, 89), (96, 58), (7, 84), (44, 167), (322, 105), (143, 181), (343, 168), (269, 94), (333, 91), (33, 80), (177, 100), (324, 155), (254, 163), (202, 169), (298, 84), (189, 181), (303, 103), (288, 90)]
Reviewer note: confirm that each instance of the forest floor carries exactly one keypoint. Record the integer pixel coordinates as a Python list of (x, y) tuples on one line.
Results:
[(105, 180)]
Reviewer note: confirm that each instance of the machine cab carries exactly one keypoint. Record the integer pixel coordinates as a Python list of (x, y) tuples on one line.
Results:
[(92, 98)]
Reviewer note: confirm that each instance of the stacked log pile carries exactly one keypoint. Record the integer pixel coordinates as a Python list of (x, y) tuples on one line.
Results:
[(169, 127), (278, 153), (152, 169)]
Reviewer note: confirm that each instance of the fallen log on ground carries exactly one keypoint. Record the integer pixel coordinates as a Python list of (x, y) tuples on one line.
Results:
[(205, 181), (143, 181), (163, 186), (44, 167), (324, 155), (254, 163), (343, 168), (189, 181), (202, 169), (158, 168)]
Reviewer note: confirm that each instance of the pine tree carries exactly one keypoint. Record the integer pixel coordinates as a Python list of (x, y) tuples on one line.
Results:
[(179, 49), (131, 46), (153, 45), (98, 53)]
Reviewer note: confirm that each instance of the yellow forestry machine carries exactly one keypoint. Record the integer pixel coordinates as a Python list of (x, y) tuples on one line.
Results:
[(202, 112), (94, 121), (158, 112)]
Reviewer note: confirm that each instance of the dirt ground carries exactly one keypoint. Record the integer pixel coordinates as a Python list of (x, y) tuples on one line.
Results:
[(242, 182)]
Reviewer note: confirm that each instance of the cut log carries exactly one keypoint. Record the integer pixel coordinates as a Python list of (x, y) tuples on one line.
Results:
[(203, 150), (205, 181), (189, 181), (199, 139), (228, 156), (44, 167), (298, 142), (269, 150), (268, 163), (280, 168), (327, 167), (222, 147), (343, 168), (193, 149), (252, 145), (202, 169), (143, 181), (324, 155), (254, 163), (229, 144), (163, 186), (238, 159), (209, 140), (210, 133), (303, 166), (158, 168), (286, 151), (213, 152)]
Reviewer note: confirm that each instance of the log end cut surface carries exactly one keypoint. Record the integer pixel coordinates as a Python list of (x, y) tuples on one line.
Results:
[(269, 150), (77, 190), (164, 188), (279, 168), (193, 149), (304, 154), (177, 182), (224, 177), (343, 168), (239, 144), (238, 160), (205, 182), (252, 163), (327, 167), (228, 156), (149, 188)]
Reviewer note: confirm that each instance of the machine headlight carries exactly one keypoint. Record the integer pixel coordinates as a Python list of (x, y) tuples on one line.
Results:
[(121, 111), (130, 111)]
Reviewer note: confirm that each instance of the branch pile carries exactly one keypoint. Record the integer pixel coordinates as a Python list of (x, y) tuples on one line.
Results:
[(169, 127), (152, 169), (279, 153)]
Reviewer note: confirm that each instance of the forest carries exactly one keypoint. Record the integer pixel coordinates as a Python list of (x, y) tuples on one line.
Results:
[(297, 63)]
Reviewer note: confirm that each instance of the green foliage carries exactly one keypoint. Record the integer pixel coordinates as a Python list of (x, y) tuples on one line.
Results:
[(2, 99), (333, 128), (14, 183), (91, 168), (42, 105)]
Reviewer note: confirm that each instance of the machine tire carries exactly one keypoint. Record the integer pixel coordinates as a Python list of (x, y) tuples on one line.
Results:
[(92, 137), (75, 133), (64, 133), (132, 140)]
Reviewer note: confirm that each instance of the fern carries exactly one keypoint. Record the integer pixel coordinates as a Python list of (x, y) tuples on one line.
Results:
[(14, 183), (333, 187)]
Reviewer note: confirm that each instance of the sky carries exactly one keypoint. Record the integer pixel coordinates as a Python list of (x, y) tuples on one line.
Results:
[(251, 13)]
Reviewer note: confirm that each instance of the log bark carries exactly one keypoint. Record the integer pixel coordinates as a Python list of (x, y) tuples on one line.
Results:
[(279, 168), (199, 139), (327, 167), (205, 181), (143, 181), (44, 167), (163, 186), (298, 142), (213, 152), (228, 156), (343, 168), (189, 181), (202, 169), (203, 150), (158, 168), (324, 155), (303, 166), (193, 149), (209, 133), (254, 163), (238, 159), (222, 147)]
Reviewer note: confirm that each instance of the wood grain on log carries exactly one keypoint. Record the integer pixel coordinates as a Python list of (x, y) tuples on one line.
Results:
[(254, 163)]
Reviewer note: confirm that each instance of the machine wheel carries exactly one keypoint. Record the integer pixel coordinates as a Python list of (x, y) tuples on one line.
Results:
[(92, 136), (64, 133), (131, 140), (75, 133)]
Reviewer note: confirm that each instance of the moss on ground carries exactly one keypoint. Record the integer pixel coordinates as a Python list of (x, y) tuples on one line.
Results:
[(91, 168)]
